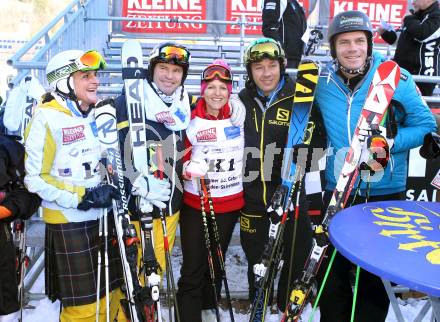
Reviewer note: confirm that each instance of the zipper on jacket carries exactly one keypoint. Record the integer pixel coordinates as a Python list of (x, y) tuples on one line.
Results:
[(350, 100), (261, 148), (255, 120), (348, 111), (263, 117)]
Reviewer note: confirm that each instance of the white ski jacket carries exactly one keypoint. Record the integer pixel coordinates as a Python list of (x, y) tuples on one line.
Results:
[(62, 159)]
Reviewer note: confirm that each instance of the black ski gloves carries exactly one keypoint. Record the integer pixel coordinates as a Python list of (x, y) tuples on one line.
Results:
[(21, 203), (99, 197), (431, 146)]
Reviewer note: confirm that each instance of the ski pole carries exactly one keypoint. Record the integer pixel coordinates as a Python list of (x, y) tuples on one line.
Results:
[(208, 247), (98, 278), (106, 268), (168, 263), (22, 259), (292, 249), (103, 230), (220, 255)]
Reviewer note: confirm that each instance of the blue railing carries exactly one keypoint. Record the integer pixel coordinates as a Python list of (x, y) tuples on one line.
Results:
[(69, 30)]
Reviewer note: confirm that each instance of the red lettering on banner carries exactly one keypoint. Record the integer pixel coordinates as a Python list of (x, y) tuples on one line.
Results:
[(391, 11), (168, 9)]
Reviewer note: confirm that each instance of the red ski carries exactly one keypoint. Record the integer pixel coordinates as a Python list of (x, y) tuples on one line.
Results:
[(383, 85)]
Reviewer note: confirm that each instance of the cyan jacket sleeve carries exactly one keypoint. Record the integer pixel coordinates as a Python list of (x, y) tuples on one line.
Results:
[(418, 119), (41, 149)]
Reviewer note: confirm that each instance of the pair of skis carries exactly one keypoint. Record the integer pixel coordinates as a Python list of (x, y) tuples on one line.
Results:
[(142, 303), (300, 132), (381, 91), (205, 198), (134, 76), (137, 296)]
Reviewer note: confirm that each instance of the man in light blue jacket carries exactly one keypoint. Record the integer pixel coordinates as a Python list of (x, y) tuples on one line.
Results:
[(340, 96)]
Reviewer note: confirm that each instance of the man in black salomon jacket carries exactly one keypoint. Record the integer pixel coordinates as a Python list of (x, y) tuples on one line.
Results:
[(285, 21), (268, 98), (418, 46)]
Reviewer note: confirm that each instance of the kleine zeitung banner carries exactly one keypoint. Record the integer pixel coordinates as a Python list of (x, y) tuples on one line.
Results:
[(391, 11)]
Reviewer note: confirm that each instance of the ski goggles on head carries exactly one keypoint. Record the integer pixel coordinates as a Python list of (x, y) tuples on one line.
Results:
[(173, 53), (90, 60), (217, 71), (262, 50)]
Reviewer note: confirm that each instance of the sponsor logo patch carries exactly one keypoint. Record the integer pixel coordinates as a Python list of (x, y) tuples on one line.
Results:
[(245, 225), (165, 117), (180, 115), (283, 115), (67, 172), (73, 134), (232, 132), (208, 135), (436, 181)]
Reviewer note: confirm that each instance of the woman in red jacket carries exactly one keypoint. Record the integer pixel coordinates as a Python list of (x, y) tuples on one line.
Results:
[(215, 154)]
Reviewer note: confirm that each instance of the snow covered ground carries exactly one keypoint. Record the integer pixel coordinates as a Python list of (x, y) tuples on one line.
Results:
[(236, 265)]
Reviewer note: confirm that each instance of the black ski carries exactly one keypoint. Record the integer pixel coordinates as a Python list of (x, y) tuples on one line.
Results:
[(299, 133), (137, 297)]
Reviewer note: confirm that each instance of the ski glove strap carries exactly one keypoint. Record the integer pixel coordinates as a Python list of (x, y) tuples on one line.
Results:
[(238, 110), (99, 197), (152, 189)]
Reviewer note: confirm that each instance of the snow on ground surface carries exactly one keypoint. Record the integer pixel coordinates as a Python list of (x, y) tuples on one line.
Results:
[(236, 267)]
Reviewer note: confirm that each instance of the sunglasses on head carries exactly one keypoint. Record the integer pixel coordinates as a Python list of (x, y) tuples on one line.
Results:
[(260, 51), (217, 71), (173, 53)]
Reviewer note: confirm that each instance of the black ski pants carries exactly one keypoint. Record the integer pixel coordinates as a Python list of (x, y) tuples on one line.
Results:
[(195, 291), (337, 297), (254, 232), (8, 275)]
